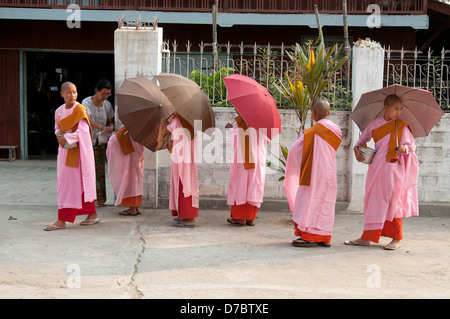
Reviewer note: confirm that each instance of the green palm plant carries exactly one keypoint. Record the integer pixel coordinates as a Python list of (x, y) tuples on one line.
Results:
[(279, 168), (309, 76), (305, 82)]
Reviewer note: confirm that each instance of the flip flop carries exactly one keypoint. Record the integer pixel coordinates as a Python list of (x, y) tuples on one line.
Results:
[(250, 223), (303, 243), (392, 246), (323, 244), (354, 243), (181, 224), (53, 227), (233, 221), (127, 213), (88, 222)]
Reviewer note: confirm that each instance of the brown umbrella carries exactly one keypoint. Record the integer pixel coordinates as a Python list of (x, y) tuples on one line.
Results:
[(188, 99), (420, 109), (144, 110)]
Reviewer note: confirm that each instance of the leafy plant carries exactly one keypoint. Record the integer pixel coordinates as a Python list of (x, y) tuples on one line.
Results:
[(278, 168), (313, 66), (213, 84)]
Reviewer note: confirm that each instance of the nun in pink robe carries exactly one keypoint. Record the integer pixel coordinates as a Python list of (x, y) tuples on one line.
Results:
[(313, 206), (391, 187), (126, 171), (247, 172), (75, 186), (184, 191)]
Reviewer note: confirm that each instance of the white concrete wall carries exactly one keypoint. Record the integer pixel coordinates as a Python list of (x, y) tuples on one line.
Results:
[(434, 163), (433, 152), (139, 53), (367, 75)]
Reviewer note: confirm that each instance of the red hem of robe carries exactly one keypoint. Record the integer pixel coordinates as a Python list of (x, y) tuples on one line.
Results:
[(392, 229), (185, 209), (245, 211), (311, 237), (134, 201), (69, 214)]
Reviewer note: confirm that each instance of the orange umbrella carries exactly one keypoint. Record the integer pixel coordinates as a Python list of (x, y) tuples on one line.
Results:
[(144, 110)]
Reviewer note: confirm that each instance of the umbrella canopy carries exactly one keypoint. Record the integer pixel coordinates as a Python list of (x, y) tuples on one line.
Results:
[(143, 109), (254, 103), (420, 109), (188, 99)]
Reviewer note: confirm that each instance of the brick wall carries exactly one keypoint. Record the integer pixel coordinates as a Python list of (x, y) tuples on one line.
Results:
[(433, 152)]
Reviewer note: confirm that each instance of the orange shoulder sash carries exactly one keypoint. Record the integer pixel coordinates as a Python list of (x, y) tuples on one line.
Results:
[(123, 136), (308, 149), (244, 139), (394, 140), (71, 122)]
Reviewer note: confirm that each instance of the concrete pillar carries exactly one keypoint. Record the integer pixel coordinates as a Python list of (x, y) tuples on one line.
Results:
[(138, 52), (367, 75)]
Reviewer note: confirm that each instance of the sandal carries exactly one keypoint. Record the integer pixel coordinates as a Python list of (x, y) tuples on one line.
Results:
[(88, 222), (233, 221), (127, 213), (53, 227), (355, 243), (303, 243), (181, 224), (250, 222), (392, 246)]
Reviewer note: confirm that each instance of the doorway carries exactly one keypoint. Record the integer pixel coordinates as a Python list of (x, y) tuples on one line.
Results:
[(45, 72)]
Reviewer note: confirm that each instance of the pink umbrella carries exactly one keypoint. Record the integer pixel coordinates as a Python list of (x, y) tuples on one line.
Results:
[(254, 103), (420, 109)]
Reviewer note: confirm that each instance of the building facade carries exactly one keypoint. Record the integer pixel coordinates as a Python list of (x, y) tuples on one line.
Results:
[(46, 42)]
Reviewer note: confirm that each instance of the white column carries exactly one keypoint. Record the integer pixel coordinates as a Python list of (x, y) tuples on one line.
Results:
[(138, 52), (367, 75)]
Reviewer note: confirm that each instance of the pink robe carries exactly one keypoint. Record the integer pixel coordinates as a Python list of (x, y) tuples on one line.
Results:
[(391, 189), (73, 182), (184, 165), (313, 206), (126, 172), (247, 185)]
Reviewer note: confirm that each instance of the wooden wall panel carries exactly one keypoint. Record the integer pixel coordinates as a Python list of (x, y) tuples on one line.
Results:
[(9, 99), (55, 35)]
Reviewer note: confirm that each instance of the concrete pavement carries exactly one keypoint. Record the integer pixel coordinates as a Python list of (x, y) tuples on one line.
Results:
[(144, 257)]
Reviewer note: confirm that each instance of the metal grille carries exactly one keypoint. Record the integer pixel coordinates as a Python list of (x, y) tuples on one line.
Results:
[(266, 64), (422, 70)]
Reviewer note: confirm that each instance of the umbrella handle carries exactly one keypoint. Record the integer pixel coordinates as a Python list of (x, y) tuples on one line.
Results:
[(396, 135), (170, 116)]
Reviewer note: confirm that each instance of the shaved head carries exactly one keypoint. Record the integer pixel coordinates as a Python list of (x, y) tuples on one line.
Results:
[(322, 108), (65, 85), (392, 99)]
